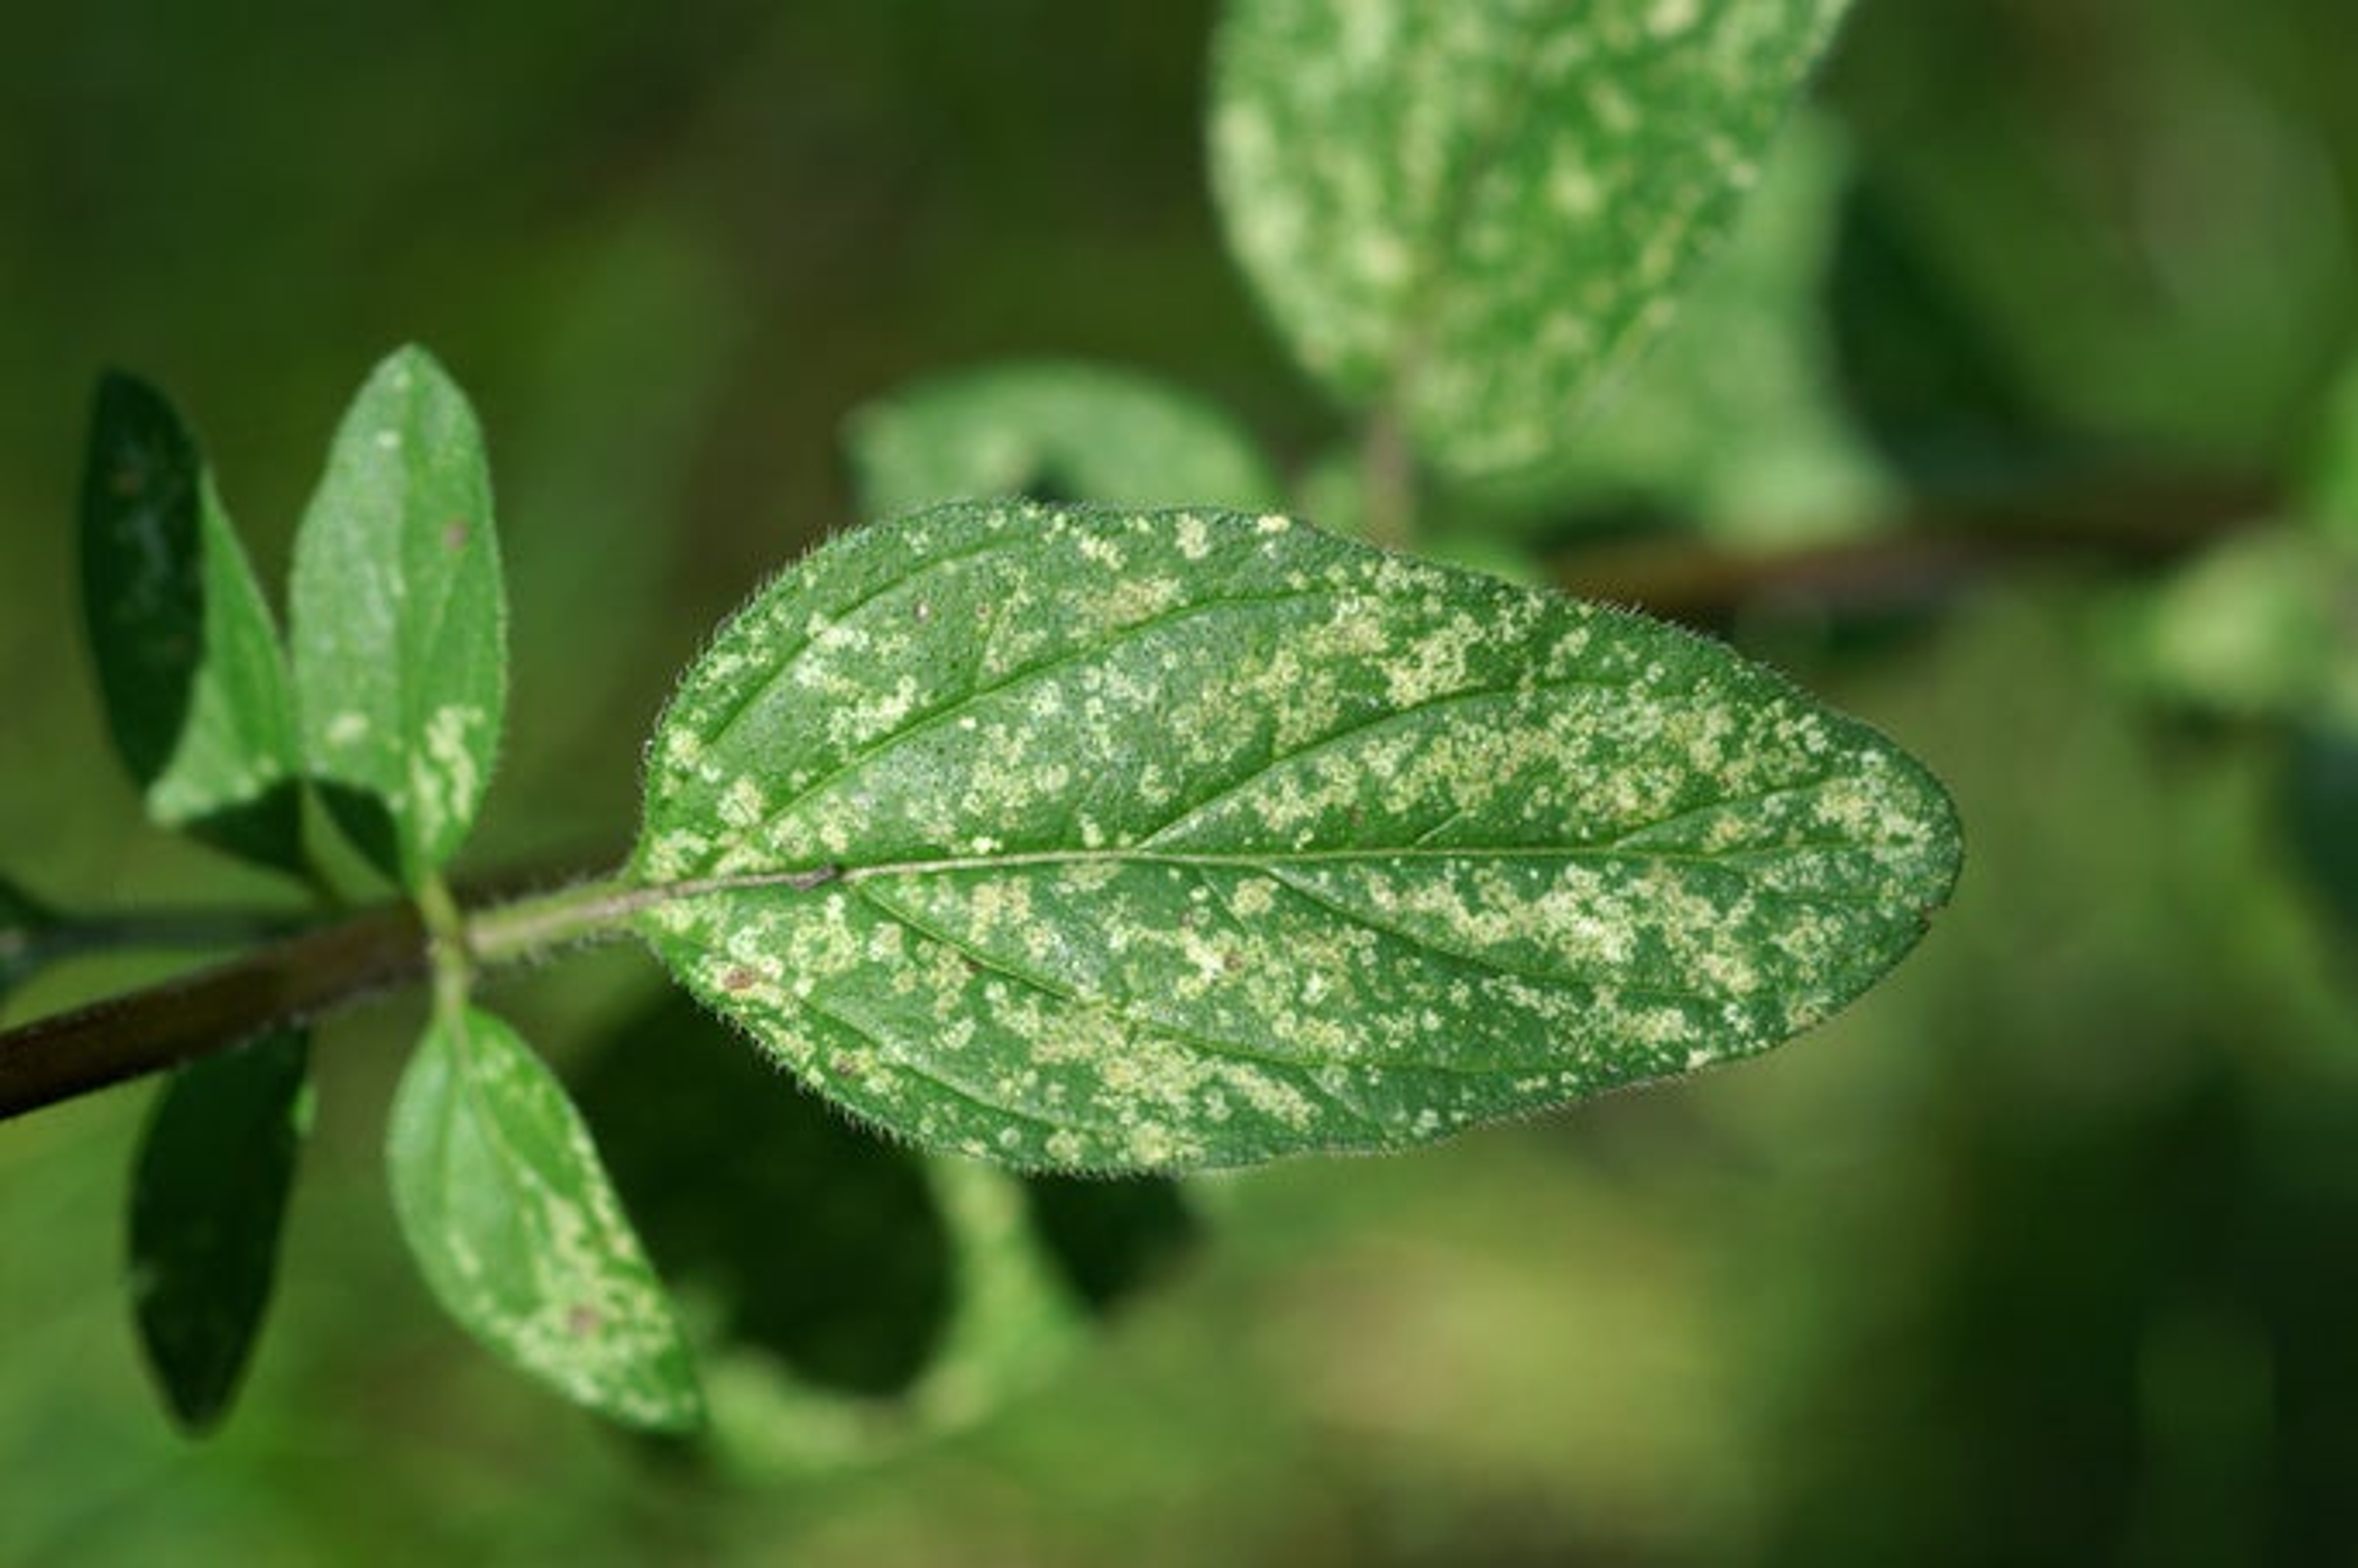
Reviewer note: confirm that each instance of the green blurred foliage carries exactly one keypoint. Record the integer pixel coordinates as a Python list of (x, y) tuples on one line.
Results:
[(2045, 1251), (2147, 207)]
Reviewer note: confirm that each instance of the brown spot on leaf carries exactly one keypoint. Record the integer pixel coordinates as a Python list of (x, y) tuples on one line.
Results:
[(455, 534), (583, 1321), (737, 979)]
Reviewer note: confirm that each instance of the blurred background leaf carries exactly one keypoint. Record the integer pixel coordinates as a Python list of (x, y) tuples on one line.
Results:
[(1052, 431), (1736, 424), (2144, 208)]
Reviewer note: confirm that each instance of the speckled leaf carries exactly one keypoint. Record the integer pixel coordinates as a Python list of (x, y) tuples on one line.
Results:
[(1736, 422), (512, 1220), (188, 662), (399, 621), (1472, 212), (208, 1194), (1051, 430), (1087, 839)]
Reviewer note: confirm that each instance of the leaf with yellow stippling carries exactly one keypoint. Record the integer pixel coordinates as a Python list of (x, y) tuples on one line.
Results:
[(510, 1215), (1474, 213), (1109, 839), (400, 620)]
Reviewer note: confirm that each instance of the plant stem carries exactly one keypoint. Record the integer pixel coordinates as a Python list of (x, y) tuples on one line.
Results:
[(294, 979), (525, 928), (301, 978), (73, 936), (1928, 555), (324, 970)]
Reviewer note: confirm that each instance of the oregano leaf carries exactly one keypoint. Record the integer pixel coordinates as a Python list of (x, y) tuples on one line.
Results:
[(208, 1196), (399, 621), (1471, 214), (1050, 429), (1087, 838), (189, 661), (1737, 421), (506, 1207)]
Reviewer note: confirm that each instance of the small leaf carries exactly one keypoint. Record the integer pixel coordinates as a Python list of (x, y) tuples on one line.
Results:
[(1085, 838), (208, 1194), (1050, 430), (399, 621), (1471, 213), (513, 1222), (188, 659)]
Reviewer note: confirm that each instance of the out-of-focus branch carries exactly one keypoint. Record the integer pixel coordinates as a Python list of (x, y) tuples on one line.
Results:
[(1926, 557)]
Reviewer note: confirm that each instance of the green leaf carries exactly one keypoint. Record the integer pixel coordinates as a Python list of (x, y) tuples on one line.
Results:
[(2330, 488), (1085, 838), (1470, 214), (1051, 430), (823, 1249), (188, 662), (399, 621), (2319, 814), (1735, 422), (519, 1234), (208, 1196), (2262, 625)]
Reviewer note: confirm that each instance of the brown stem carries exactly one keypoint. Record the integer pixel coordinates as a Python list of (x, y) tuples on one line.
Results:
[(1925, 556), (56, 1058)]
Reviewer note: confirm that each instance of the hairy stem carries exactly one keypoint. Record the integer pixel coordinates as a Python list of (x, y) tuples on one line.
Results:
[(294, 979), (146, 1031)]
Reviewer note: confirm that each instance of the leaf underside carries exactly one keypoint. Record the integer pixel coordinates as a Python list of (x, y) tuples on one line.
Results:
[(399, 621), (1474, 213), (1158, 840), (207, 1199), (188, 662), (512, 1220)]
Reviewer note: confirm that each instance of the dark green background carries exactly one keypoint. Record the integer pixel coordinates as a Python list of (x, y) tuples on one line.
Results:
[(2043, 1252)]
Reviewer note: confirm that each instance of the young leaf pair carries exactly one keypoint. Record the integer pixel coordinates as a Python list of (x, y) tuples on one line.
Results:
[(387, 707)]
